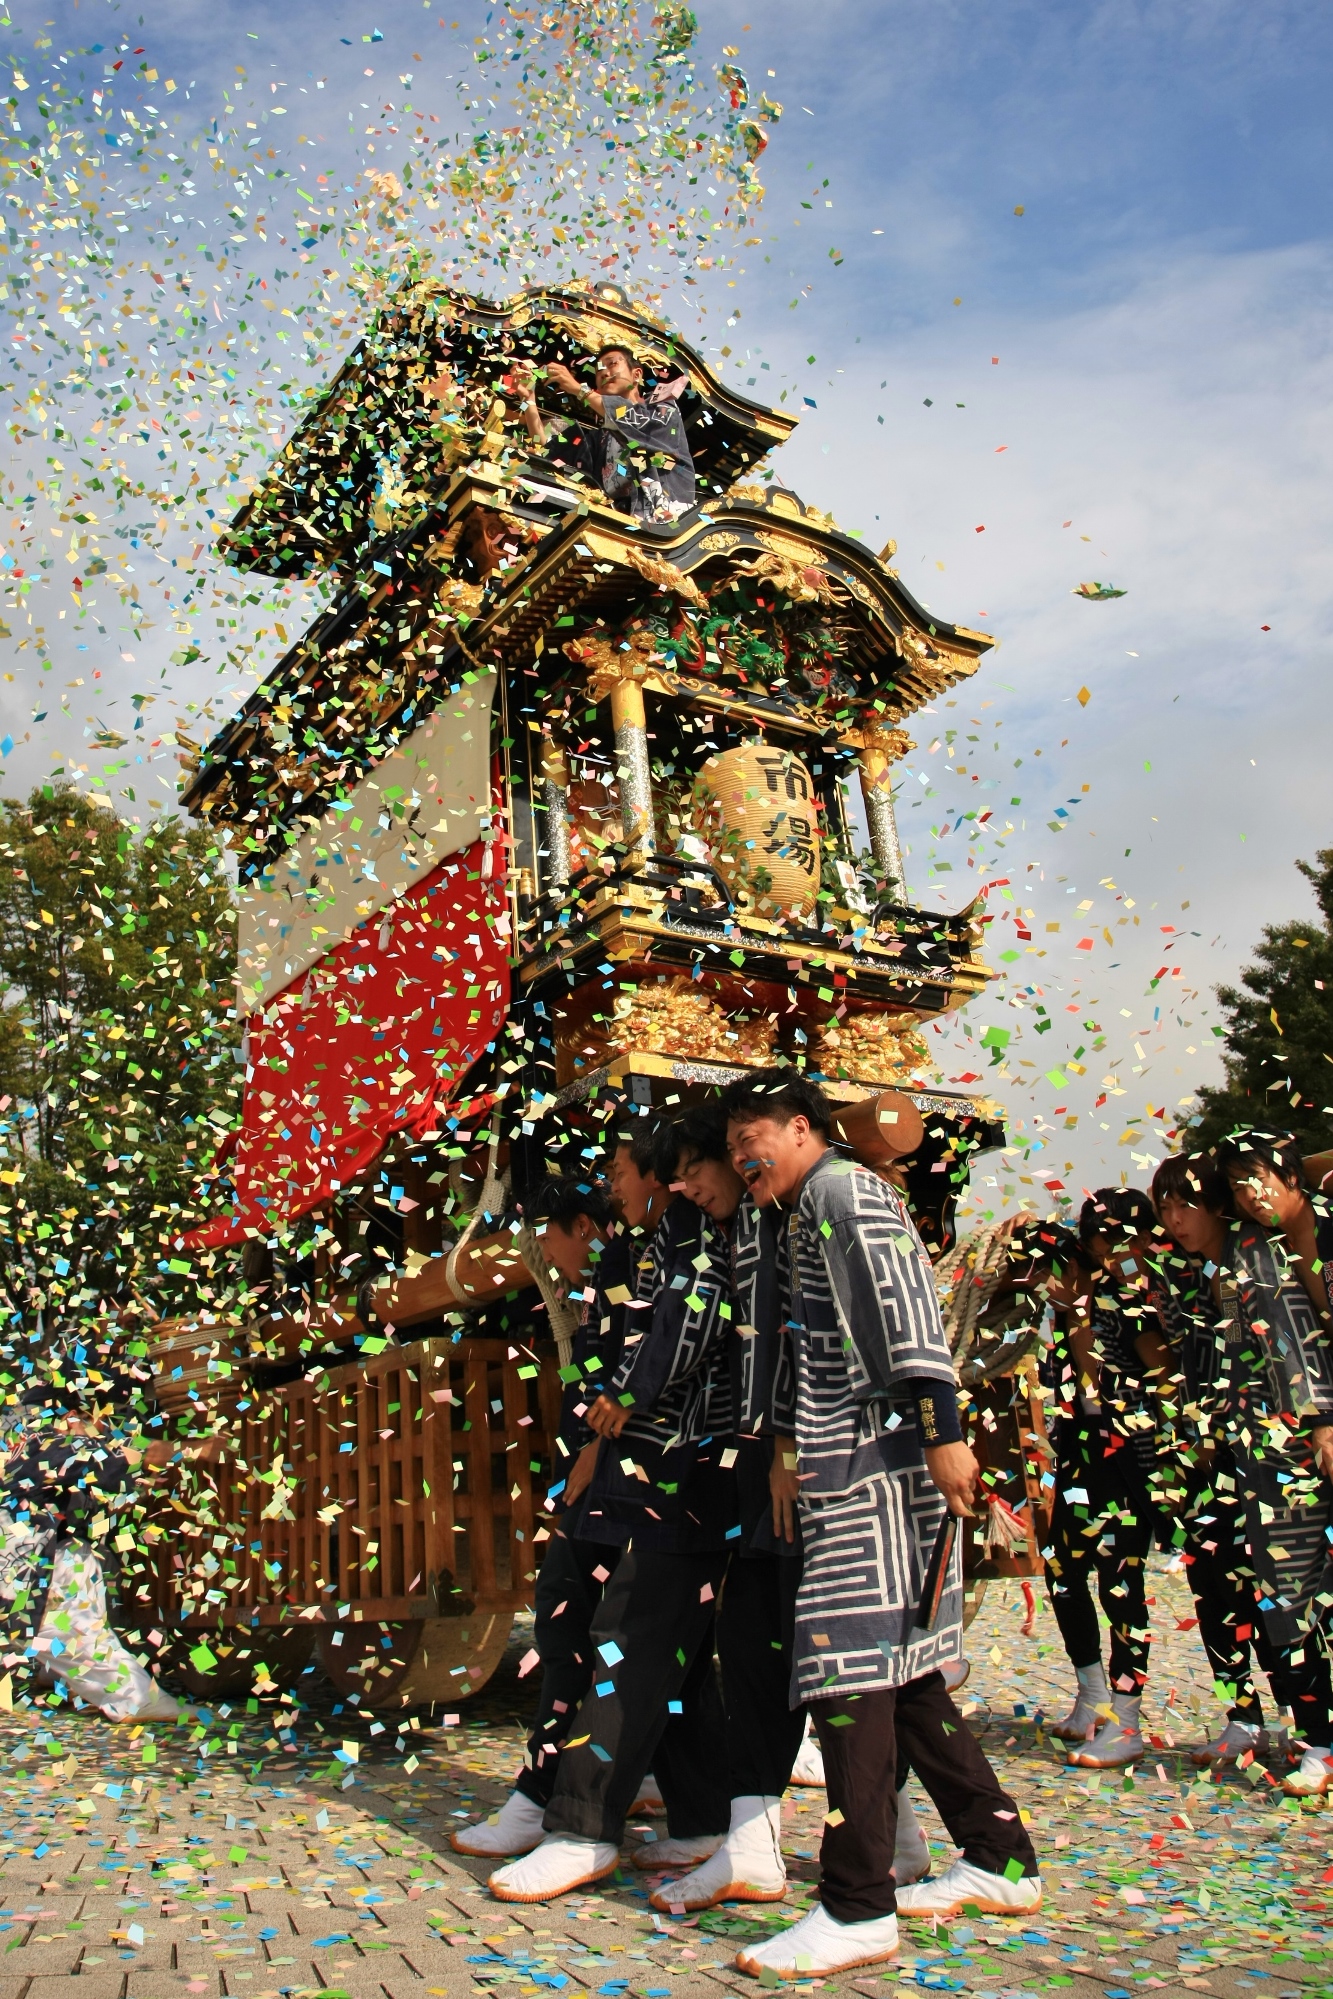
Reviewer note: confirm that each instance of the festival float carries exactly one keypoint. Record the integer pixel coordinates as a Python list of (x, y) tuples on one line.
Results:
[(553, 820)]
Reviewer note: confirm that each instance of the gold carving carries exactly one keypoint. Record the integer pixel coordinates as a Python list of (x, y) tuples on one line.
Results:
[(875, 1047), (794, 569), (666, 574), (874, 734), (672, 1017), (793, 551), (717, 544), (458, 598), (608, 662), (651, 568)]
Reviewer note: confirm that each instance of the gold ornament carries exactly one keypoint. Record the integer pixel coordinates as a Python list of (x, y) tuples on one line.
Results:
[(754, 809), (665, 574), (874, 1047), (670, 1017)]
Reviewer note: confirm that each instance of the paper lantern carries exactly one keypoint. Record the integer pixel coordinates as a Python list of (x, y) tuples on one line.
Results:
[(754, 807)]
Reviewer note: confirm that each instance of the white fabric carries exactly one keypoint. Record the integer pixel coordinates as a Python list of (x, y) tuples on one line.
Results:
[(1313, 1775), (748, 1865), (819, 1943), (1118, 1741), (553, 1868), (676, 1852), (516, 1828), (76, 1646), (911, 1854), (1091, 1704), (1236, 1738), (362, 857), (992, 1893), (809, 1765)]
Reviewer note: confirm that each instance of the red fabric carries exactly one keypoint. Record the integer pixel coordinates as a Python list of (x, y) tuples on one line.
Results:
[(374, 1041)]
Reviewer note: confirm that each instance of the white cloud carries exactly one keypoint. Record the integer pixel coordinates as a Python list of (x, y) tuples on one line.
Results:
[(1185, 428)]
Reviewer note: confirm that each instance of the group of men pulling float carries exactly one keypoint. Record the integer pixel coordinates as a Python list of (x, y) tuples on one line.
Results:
[(761, 1457), (764, 1450)]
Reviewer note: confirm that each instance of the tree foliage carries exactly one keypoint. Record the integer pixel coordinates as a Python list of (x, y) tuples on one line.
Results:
[(118, 1050), (1279, 1033)]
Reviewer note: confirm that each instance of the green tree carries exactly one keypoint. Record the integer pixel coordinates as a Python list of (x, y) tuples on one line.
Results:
[(118, 1052), (1279, 1033)]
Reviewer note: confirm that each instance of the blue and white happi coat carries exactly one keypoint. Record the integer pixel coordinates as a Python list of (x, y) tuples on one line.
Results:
[(859, 1298)]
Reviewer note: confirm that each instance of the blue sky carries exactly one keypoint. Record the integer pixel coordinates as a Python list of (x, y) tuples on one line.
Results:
[(1160, 314)]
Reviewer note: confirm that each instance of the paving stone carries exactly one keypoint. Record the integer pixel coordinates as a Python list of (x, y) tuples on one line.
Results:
[(103, 1984)]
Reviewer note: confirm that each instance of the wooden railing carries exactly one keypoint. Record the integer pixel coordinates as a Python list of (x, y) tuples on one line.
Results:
[(407, 1485)]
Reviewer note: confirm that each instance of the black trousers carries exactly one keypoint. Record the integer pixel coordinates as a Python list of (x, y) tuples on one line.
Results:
[(654, 1703), (570, 1582), (869, 1741), (1110, 1536), (1231, 1623), (756, 1625)]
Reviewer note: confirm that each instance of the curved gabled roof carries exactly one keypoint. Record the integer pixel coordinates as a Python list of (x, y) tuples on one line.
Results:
[(321, 720)]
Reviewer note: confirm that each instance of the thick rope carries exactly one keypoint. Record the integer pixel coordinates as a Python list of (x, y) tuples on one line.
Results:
[(966, 1280), (561, 1314)]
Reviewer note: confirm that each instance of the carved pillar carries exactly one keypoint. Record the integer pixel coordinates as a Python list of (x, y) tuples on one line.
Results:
[(630, 721), (877, 790), (555, 797)]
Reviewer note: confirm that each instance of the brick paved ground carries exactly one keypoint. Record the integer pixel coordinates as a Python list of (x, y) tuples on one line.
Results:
[(255, 1873)]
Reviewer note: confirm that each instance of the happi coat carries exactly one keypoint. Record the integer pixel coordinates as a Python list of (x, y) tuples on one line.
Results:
[(763, 1374), (667, 1481), (864, 1323), (639, 455)]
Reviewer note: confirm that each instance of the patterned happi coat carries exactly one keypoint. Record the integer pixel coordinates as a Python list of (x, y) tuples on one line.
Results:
[(667, 1480), (1260, 1368), (858, 1294)]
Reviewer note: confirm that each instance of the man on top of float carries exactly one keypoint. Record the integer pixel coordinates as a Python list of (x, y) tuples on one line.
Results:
[(637, 452)]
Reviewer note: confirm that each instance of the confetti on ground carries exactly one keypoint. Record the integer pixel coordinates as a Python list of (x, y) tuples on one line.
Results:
[(217, 1873)]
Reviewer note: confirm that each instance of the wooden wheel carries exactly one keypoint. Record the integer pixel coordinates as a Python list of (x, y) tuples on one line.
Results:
[(285, 1653), (410, 1663)]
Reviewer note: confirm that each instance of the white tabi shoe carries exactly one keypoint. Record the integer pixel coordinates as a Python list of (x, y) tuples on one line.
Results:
[(1231, 1745), (1117, 1742), (990, 1894), (650, 1798), (1089, 1709), (677, 1852), (809, 1765), (911, 1855), (746, 1867), (819, 1944), (1312, 1776), (162, 1707), (560, 1864), (516, 1828)]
